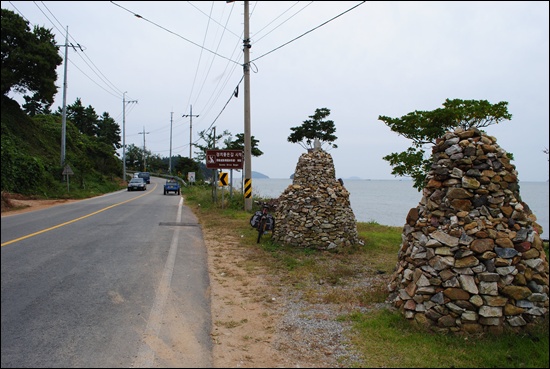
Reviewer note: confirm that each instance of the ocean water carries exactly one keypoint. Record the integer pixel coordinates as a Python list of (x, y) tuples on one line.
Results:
[(388, 202)]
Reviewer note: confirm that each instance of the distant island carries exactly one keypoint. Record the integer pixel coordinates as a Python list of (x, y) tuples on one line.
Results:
[(258, 175)]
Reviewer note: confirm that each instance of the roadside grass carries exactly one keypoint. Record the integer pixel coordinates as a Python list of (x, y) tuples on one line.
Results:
[(356, 280)]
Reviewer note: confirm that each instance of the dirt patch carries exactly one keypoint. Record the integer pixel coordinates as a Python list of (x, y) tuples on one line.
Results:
[(243, 327), (16, 203)]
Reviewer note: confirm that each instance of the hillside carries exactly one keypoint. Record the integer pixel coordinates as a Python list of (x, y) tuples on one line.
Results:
[(31, 157)]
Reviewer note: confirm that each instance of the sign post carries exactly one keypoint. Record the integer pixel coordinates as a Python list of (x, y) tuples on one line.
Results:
[(67, 171), (225, 159)]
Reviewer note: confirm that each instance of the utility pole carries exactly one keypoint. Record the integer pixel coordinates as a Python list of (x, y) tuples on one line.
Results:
[(144, 156), (170, 160), (124, 102), (247, 135), (190, 115), (64, 109)]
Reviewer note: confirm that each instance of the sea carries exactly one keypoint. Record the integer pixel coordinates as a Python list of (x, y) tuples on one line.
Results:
[(388, 202)]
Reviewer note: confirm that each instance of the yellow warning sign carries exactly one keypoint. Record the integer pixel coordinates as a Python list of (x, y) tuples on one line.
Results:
[(223, 179)]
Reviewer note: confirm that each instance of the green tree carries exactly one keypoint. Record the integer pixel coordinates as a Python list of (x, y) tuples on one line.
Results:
[(210, 139), (315, 128), (108, 131), (33, 106), (134, 157), (29, 59), (185, 165), (85, 119), (238, 144), (425, 127), (156, 164)]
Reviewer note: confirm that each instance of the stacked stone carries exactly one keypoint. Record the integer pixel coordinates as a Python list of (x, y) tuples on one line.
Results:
[(471, 258), (315, 211)]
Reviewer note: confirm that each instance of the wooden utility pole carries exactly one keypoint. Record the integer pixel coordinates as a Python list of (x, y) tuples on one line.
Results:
[(190, 115), (124, 102), (144, 156), (170, 160), (247, 135)]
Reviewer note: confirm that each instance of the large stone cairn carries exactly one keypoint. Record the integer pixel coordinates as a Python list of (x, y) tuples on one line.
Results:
[(314, 211), (471, 258)]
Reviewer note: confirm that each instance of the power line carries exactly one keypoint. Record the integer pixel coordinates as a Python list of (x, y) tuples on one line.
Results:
[(174, 33), (289, 18), (212, 60), (218, 23), (311, 30), (235, 93), (103, 78)]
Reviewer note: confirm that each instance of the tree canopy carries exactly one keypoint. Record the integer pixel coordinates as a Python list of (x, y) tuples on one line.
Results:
[(210, 138), (85, 118), (29, 59), (425, 127), (315, 128), (238, 144)]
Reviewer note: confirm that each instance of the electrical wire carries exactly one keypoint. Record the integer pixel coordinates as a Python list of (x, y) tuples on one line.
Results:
[(175, 34), (311, 30), (232, 95), (289, 18), (94, 69)]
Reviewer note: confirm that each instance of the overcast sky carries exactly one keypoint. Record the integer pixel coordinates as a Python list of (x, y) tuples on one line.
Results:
[(379, 58)]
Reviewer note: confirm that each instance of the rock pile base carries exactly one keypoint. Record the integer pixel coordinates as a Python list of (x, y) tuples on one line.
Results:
[(471, 258), (314, 211)]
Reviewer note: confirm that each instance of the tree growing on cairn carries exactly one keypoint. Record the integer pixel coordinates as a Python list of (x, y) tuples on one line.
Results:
[(315, 130), (425, 127)]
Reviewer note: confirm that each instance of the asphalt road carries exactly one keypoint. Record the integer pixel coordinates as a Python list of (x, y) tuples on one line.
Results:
[(120, 280)]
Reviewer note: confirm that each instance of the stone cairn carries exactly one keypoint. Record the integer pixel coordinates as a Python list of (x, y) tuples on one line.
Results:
[(314, 211), (471, 258)]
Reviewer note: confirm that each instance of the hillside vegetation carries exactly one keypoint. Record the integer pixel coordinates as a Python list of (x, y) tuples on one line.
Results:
[(31, 157)]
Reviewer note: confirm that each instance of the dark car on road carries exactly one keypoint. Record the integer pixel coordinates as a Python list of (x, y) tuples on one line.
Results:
[(146, 176), (137, 184)]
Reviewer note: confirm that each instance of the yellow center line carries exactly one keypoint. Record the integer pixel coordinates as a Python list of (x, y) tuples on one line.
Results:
[(74, 220)]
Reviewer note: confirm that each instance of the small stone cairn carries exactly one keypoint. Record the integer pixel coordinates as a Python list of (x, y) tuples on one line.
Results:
[(314, 211), (471, 258)]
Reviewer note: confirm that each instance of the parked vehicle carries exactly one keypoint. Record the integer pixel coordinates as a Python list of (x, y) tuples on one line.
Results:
[(146, 176), (172, 185), (137, 184)]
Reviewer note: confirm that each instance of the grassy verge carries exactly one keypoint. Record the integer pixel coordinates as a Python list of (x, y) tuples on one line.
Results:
[(356, 279)]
